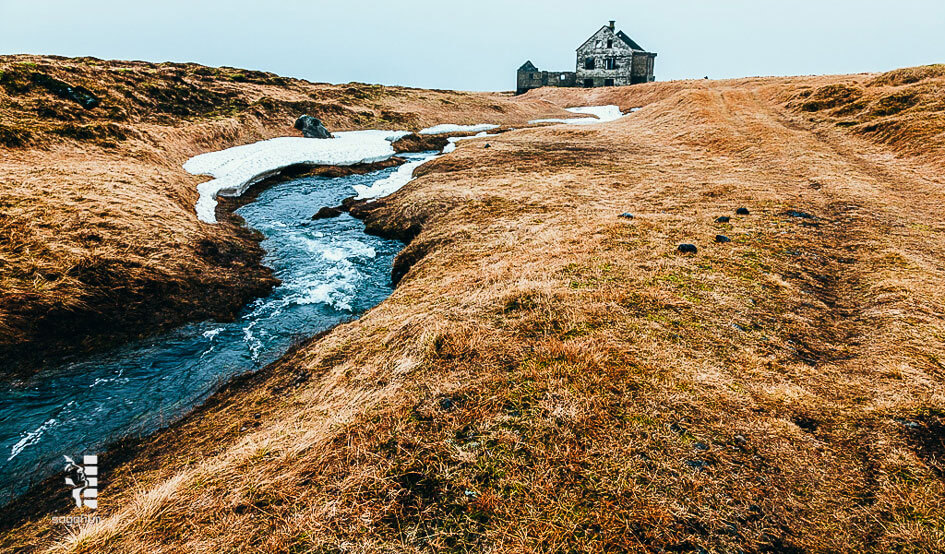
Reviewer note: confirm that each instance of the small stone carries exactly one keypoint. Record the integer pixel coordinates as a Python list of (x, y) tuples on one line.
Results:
[(742, 211), (700, 446), (696, 464), (723, 219), (740, 440), (722, 238), (686, 248), (626, 215), (446, 403), (796, 213), (487, 145)]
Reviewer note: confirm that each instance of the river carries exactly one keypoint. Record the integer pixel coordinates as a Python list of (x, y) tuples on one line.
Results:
[(331, 272)]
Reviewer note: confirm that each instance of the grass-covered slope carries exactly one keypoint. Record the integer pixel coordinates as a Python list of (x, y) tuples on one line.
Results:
[(551, 377), (98, 236)]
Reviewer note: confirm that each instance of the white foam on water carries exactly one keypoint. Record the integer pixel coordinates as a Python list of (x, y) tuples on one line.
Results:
[(336, 287), (210, 334), (31, 437)]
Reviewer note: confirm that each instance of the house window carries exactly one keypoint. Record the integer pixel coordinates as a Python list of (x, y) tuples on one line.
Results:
[(610, 43), (588, 83), (534, 76), (589, 63), (608, 82), (563, 77), (611, 63)]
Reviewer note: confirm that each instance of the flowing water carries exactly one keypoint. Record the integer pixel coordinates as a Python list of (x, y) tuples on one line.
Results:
[(331, 271)]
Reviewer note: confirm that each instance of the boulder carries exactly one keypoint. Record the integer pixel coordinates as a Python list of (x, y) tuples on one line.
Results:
[(687, 248), (722, 238), (723, 219), (742, 211), (327, 212), (626, 215), (311, 127)]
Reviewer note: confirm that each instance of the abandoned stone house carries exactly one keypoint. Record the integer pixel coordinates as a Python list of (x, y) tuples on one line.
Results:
[(609, 58)]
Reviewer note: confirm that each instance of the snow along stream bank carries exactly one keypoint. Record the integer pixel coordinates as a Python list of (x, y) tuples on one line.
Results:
[(236, 169)]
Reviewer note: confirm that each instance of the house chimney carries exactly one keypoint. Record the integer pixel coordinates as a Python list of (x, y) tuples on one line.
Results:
[(612, 24)]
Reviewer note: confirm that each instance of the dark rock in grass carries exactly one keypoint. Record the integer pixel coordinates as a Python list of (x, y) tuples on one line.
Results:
[(696, 464), (626, 215), (700, 446), (487, 145), (687, 248), (77, 94), (802, 215), (723, 219), (446, 403), (327, 212), (742, 211), (722, 238), (311, 127)]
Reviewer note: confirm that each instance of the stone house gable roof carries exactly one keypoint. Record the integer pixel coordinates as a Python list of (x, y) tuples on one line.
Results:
[(590, 38), (619, 34), (528, 66), (628, 41)]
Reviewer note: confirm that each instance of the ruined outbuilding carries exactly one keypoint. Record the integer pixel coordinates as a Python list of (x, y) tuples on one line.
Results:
[(609, 58)]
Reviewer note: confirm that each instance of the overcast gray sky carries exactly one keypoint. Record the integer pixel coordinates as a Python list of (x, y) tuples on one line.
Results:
[(478, 44)]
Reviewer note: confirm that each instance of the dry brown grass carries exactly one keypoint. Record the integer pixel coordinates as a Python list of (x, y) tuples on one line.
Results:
[(98, 236), (550, 377)]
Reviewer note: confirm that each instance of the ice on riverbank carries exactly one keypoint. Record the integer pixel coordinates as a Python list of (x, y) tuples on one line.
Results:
[(236, 169), (451, 128), (453, 140), (393, 182), (602, 114)]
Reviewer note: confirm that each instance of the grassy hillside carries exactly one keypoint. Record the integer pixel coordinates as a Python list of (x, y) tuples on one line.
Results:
[(98, 236), (551, 377)]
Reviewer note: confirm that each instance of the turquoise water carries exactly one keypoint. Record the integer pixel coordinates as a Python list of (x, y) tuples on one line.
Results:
[(331, 272)]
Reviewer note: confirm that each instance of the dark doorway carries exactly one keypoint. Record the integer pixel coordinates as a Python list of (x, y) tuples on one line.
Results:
[(589, 63), (588, 83), (608, 82)]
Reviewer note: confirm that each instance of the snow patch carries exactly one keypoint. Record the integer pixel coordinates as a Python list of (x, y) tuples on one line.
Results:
[(602, 114), (393, 182), (453, 140), (236, 169), (450, 128)]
